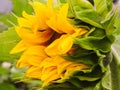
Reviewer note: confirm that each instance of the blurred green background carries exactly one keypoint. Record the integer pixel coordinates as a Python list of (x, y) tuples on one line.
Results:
[(11, 77)]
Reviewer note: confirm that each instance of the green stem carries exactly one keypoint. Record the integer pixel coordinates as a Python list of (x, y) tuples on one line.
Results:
[(114, 68)]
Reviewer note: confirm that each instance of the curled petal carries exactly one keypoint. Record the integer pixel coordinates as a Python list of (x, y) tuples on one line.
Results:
[(40, 12), (73, 67), (18, 48), (60, 46), (49, 74), (34, 72), (60, 22), (38, 38), (36, 54)]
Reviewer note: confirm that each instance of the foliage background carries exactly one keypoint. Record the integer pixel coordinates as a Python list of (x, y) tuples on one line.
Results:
[(10, 76)]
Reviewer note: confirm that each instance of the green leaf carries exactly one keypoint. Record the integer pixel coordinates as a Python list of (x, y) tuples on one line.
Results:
[(83, 4), (90, 59), (96, 32), (117, 26), (105, 61), (3, 70), (103, 7), (6, 86), (94, 43), (115, 77), (115, 64), (62, 1), (106, 80), (95, 74), (18, 7), (89, 16), (109, 23), (8, 39), (21, 5), (98, 86), (60, 86), (80, 4), (42, 1), (116, 48)]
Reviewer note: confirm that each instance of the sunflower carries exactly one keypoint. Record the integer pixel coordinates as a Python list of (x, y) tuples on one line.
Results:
[(45, 38)]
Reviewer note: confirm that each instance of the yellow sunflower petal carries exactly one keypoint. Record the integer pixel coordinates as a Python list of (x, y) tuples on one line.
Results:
[(61, 64), (52, 76), (24, 23), (31, 19), (75, 66), (50, 9), (48, 72), (63, 23), (18, 48), (30, 37), (34, 72), (48, 62), (22, 62), (36, 54), (49, 75), (79, 32), (60, 46), (41, 12), (28, 17), (60, 23)]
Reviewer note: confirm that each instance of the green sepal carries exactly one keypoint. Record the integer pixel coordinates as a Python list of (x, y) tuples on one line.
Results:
[(94, 43), (83, 4), (117, 26), (89, 16), (109, 23), (103, 7)]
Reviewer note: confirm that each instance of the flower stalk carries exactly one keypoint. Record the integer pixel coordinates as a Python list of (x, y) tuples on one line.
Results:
[(115, 72)]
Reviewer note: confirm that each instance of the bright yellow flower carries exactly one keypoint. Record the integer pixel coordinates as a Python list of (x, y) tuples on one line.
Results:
[(30, 39), (43, 13), (38, 20), (60, 23), (34, 72), (33, 28), (45, 36), (32, 56), (54, 68), (66, 67), (63, 44)]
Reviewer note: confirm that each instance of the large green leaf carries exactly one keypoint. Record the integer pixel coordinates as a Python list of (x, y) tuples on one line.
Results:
[(3, 70), (6, 86), (103, 7), (115, 65), (60, 86), (94, 43), (62, 1), (117, 25), (106, 80), (89, 16), (82, 4), (42, 1), (109, 23), (90, 59), (8, 40)]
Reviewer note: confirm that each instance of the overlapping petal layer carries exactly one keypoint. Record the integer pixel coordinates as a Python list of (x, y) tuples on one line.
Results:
[(46, 36)]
